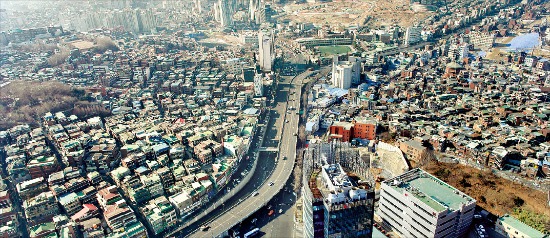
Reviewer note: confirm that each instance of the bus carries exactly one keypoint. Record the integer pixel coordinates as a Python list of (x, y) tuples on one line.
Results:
[(251, 233)]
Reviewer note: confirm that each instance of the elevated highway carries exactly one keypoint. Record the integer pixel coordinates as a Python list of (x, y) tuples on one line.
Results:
[(285, 127)]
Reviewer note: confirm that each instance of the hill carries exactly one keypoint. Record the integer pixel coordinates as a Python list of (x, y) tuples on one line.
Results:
[(25, 102), (495, 194)]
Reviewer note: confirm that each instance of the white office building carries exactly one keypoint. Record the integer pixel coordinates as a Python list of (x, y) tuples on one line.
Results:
[(258, 85), (417, 204), (481, 40), (341, 74), (266, 50), (346, 73), (249, 38), (413, 35), (234, 65), (464, 50)]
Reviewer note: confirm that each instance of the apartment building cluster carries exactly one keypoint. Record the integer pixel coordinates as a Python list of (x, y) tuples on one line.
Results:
[(84, 173), (489, 114), (133, 20), (482, 113), (9, 225), (179, 127), (126, 15)]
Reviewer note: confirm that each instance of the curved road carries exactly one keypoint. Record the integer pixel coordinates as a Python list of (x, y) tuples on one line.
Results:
[(286, 126)]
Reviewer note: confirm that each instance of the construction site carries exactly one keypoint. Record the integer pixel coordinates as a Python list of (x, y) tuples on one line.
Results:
[(335, 204), (355, 13)]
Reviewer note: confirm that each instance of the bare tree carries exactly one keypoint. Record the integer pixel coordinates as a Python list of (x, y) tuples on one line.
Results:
[(105, 43)]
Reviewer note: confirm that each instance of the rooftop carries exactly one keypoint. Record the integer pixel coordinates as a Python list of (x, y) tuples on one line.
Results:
[(44, 227), (520, 226), (334, 186), (430, 190)]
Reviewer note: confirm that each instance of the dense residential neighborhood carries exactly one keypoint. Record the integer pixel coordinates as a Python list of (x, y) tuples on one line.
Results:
[(232, 118)]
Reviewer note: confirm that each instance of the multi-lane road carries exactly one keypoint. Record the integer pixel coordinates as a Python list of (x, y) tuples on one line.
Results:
[(282, 132)]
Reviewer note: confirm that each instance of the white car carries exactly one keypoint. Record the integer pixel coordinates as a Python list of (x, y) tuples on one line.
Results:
[(271, 183), (481, 228)]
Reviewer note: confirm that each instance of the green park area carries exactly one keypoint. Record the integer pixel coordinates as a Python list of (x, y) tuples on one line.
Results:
[(334, 50)]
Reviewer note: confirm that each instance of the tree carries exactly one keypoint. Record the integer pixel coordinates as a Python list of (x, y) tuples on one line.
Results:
[(58, 58), (104, 43)]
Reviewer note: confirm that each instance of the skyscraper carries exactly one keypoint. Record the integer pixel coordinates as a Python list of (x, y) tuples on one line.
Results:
[(224, 11), (252, 8), (198, 7), (266, 48)]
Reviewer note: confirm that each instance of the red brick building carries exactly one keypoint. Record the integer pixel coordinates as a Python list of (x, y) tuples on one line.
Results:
[(346, 131), (342, 131), (364, 130)]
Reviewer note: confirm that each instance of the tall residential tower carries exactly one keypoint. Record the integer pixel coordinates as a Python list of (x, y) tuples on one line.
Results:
[(266, 50)]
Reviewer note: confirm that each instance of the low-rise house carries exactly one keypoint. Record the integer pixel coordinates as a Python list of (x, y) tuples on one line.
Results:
[(42, 207), (509, 226), (88, 211)]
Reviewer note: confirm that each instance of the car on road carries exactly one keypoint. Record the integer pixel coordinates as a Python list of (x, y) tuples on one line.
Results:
[(205, 227), (255, 194), (271, 183), (286, 121), (481, 228), (295, 134), (480, 231), (284, 157)]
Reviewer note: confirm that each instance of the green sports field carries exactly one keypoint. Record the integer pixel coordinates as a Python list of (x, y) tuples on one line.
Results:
[(334, 50)]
